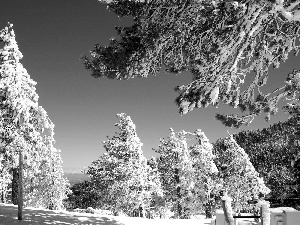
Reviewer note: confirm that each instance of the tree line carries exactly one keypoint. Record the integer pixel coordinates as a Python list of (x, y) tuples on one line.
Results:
[(219, 42), (183, 178)]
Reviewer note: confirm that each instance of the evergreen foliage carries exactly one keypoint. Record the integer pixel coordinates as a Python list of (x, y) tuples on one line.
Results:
[(240, 179), (219, 42), (122, 175), (182, 178), (186, 171), (208, 183), (274, 152), (25, 127), (83, 195)]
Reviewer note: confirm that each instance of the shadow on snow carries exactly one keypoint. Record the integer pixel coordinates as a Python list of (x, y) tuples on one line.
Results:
[(9, 213)]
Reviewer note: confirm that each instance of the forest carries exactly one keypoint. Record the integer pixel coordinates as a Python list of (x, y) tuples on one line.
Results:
[(219, 43)]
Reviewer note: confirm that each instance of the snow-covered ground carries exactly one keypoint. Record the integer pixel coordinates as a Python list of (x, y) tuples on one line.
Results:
[(9, 213)]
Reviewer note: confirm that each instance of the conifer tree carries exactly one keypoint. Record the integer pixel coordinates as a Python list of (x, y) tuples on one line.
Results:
[(176, 172), (122, 172), (240, 179), (274, 152), (187, 171), (26, 130), (220, 42), (206, 172)]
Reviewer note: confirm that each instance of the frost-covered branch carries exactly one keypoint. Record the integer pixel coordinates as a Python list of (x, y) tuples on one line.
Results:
[(288, 12), (219, 42)]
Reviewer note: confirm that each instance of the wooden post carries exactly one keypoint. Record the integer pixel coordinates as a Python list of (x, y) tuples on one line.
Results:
[(226, 205), (261, 217), (20, 191)]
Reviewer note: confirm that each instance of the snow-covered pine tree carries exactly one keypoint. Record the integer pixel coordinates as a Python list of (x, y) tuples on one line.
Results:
[(240, 178), (176, 172), (188, 172), (207, 182), (274, 153), (26, 129), (122, 172)]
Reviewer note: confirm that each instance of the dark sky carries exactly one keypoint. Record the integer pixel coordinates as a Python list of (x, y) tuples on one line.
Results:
[(54, 34)]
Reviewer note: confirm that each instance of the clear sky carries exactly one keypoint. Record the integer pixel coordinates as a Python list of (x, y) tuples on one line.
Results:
[(54, 34)]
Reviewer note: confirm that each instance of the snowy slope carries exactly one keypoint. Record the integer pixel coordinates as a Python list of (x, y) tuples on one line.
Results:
[(8, 216)]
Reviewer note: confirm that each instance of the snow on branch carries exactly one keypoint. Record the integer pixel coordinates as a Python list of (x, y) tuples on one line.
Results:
[(287, 11), (219, 42)]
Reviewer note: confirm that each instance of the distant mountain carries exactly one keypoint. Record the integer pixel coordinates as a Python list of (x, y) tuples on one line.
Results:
[(74, 169), (75, 175)]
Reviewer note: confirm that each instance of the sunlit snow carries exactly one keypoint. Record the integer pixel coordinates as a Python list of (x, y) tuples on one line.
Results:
[(9, 213)]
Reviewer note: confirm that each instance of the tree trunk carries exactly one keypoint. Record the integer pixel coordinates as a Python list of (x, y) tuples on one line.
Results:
[(14, 186), (208, 209), (179, 207), (20, 190), (2, 196), (208, 206)]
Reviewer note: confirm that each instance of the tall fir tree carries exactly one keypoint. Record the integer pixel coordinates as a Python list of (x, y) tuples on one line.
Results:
[(240, 179), (176, 172), (122, 172), (206, 173), (187, 171), (26, 130)]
